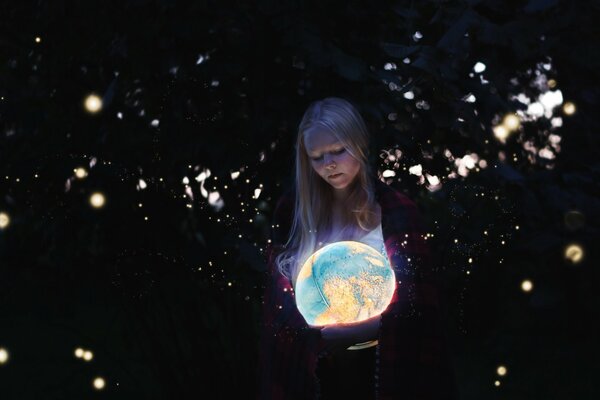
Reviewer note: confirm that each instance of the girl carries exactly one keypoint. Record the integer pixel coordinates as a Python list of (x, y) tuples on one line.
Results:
[(336, 196)]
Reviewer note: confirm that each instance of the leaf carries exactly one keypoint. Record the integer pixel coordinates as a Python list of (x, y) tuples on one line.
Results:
[(539, 5), (509, 173), (452, 38), (408, 13), (399, 51), (427, 60), (351, 68)]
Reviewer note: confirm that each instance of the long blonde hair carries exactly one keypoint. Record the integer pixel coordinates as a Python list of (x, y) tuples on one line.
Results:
[(314, 197)]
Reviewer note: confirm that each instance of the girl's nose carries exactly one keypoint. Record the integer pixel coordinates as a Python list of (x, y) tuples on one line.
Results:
[(328, 160)]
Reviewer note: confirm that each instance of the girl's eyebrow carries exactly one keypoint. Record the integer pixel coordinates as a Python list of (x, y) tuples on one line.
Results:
[(334, 145)]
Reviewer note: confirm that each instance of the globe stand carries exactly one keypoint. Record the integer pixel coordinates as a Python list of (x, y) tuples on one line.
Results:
[(363, 345)]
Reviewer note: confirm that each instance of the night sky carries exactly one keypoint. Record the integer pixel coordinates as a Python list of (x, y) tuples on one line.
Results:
[(144, 144)]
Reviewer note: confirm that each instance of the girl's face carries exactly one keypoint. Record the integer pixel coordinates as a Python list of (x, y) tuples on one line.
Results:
[(330, 159)]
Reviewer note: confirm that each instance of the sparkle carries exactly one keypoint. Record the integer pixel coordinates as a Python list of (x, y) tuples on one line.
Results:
[(3, 355), (4, 220), (88, 355), (501, 370), (79, 352), (574, 253), (416, 170), (38, 39), (511, 122), (569, 108), (501, 133), (526, 285), (479, 67), (99, 383), (80, 172), (93, 103), (97, 200)]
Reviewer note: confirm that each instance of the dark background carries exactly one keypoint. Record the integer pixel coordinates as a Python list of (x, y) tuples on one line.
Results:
[(169, 305)]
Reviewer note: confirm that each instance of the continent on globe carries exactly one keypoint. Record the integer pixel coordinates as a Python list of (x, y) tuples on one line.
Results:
[(344, 282)]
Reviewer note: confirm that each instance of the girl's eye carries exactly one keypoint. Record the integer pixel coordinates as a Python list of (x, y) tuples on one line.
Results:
[(340, 151)]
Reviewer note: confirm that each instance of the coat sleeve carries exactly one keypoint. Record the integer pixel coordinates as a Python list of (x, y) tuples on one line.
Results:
[(414, 356), (288, 347)]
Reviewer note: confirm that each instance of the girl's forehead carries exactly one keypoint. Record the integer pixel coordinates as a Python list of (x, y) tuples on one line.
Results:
[(316, 140)]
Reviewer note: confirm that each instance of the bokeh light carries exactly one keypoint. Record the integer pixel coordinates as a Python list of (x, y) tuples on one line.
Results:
[(501, 133), (97, 200), (511, 122), (80, 172), (4, 220), (569, 108), (527, 285), (501, 370), (99, 383), (3, 355), (79, 352), (574, 253), (88, 355), (93, 103)]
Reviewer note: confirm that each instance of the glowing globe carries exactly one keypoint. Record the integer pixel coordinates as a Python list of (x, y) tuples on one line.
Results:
[(344, 282)]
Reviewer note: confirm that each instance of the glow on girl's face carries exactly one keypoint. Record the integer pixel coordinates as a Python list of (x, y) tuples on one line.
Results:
[(328, 157)]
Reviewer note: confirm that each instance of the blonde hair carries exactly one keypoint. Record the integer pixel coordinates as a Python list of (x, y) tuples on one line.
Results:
[(314, 197)]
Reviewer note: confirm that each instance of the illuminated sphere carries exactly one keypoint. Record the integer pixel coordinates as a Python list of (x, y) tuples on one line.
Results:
[(344, 282)]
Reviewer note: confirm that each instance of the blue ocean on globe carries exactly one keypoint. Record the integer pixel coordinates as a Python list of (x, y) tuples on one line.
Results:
[(344, 282)]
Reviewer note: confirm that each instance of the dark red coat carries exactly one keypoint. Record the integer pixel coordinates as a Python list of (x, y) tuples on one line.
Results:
[(412, 357)]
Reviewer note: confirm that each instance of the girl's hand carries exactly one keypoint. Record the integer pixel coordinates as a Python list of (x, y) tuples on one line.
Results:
[(341, 336)]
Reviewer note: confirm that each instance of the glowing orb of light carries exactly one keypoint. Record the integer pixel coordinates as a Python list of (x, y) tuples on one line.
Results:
[(80, 172), (344, 282), (88, 355), (574, 253), (501, 132), (4, 220), (93, 103), (99, 383), (3, 356), (511, 122), (569, 108), (526, 285), (501, 370), (79, 352), (97, 200)]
